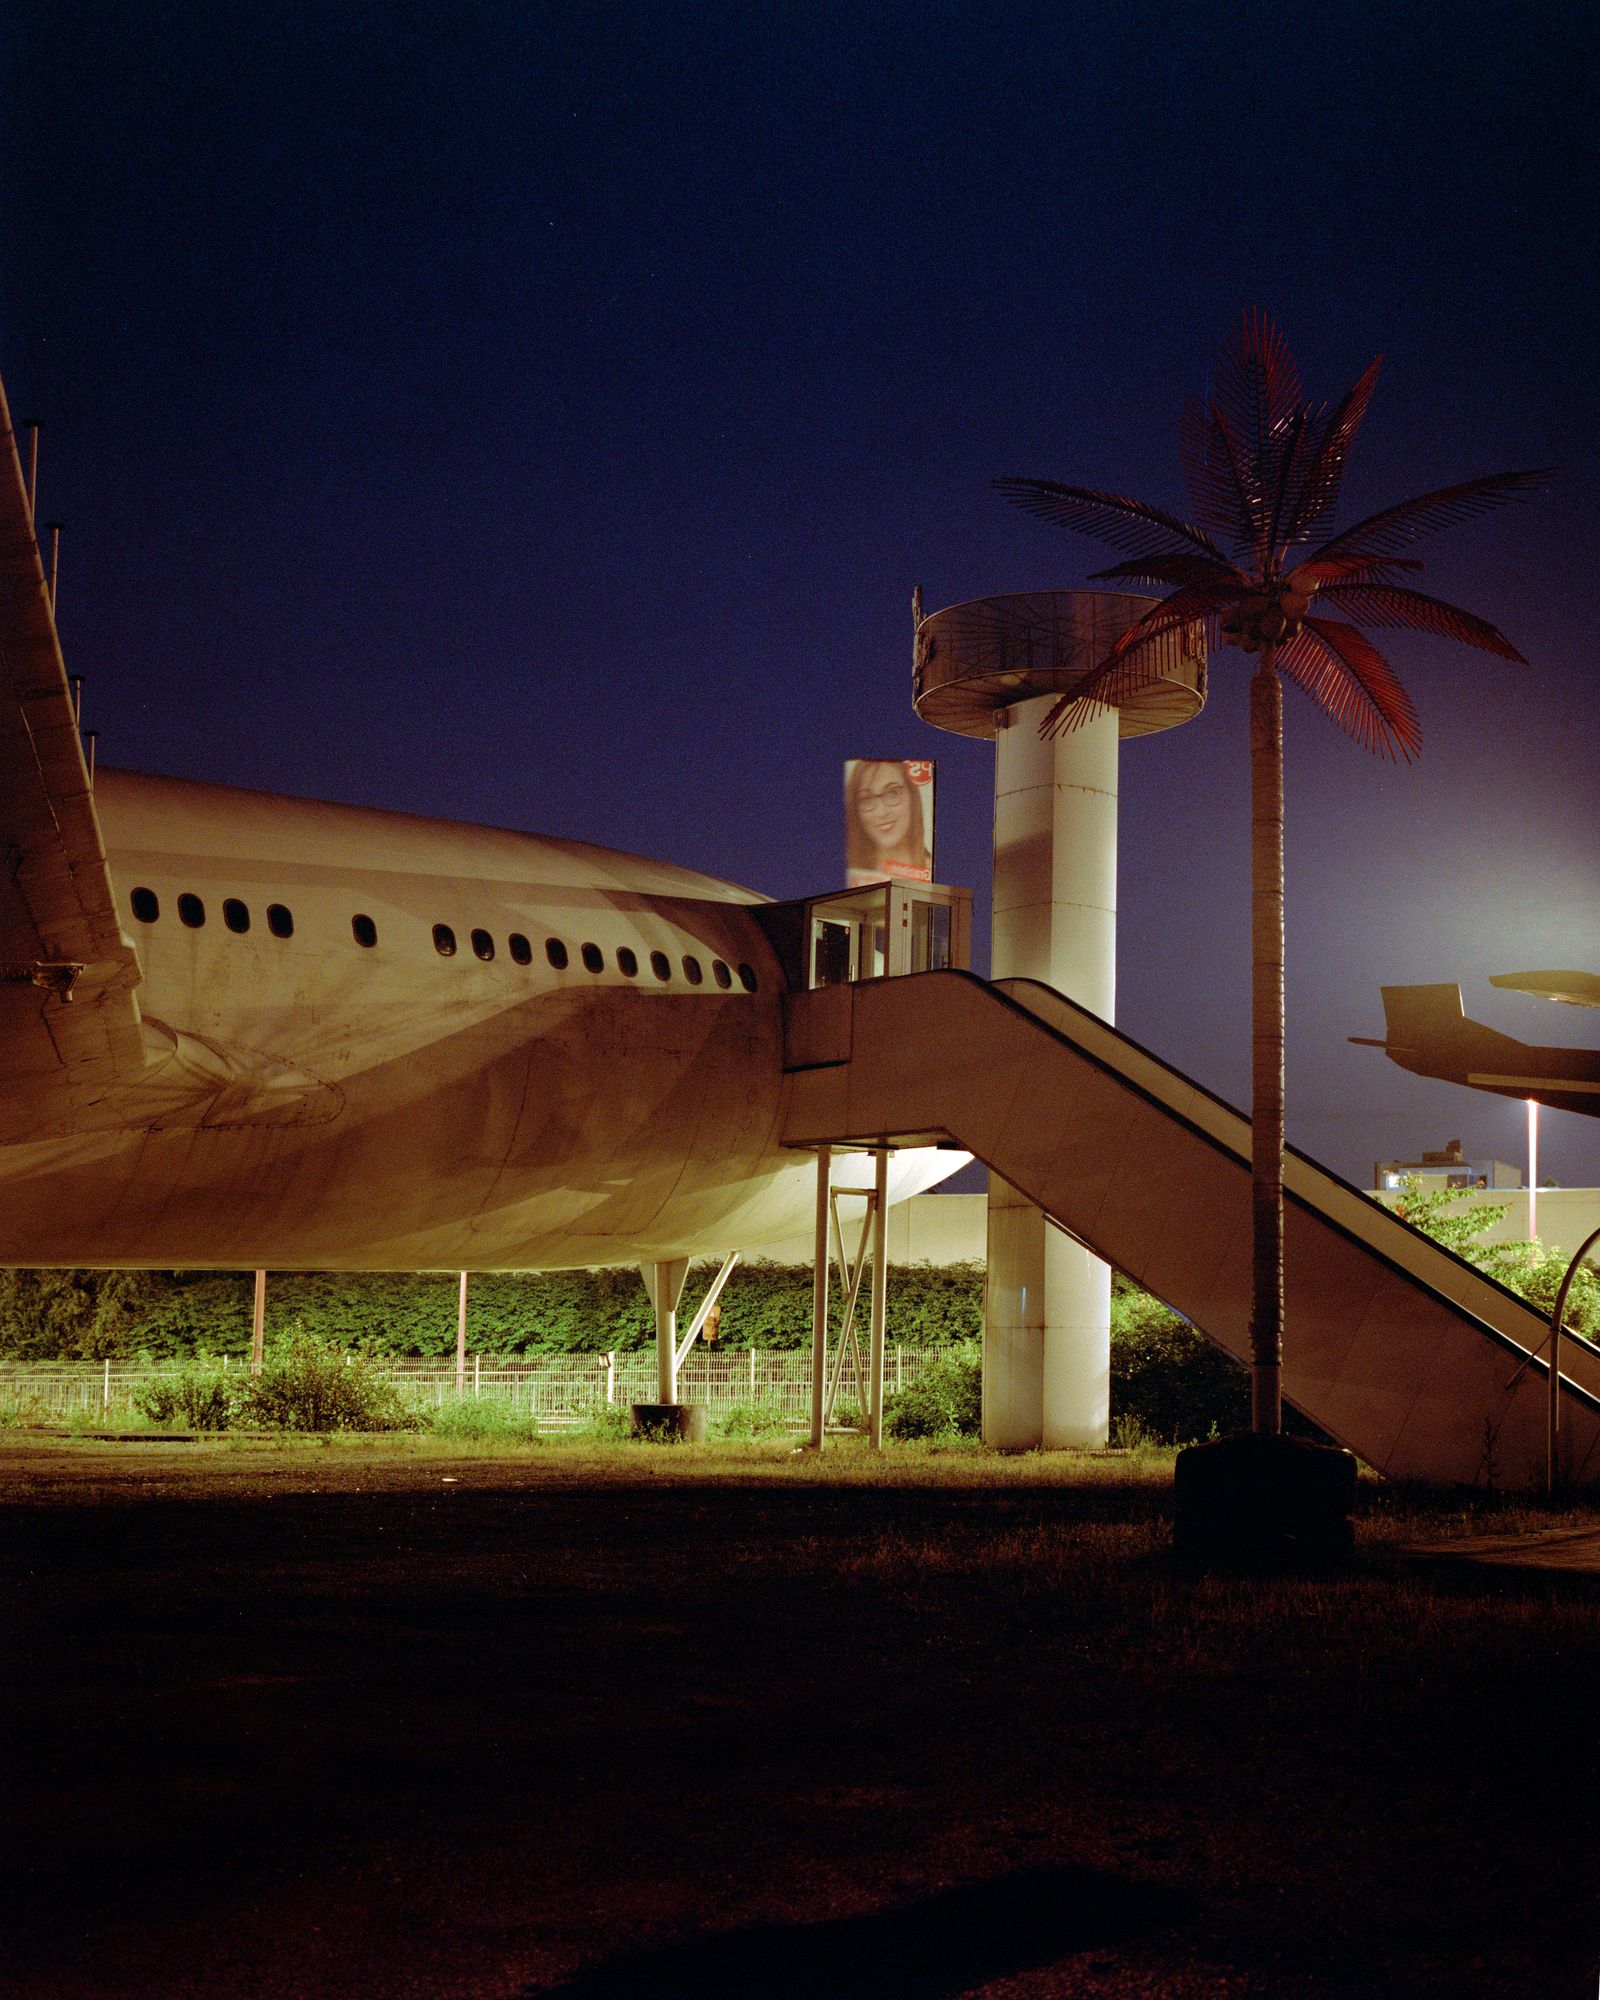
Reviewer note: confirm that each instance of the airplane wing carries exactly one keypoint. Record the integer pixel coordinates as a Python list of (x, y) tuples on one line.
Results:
[(69, 1021), (1428, 1033), (1572, 989)]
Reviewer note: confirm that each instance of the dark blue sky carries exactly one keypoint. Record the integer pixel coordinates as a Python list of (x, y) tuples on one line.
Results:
[(541, 414)]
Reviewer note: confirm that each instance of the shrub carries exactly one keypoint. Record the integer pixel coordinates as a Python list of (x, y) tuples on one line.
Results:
[(1168, 1382), (200, 1397), (308, 1385), (944, 1401)]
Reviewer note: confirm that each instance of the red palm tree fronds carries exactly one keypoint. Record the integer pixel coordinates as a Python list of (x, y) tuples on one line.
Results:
[(1386, 604), (1354, 685), (1112, 683), (1395, 527), (1220, 492), (1297, 451), (1319, 491), (1138, 657), (1172, 570), (1264, 470), (1257, 388), (1316, 573), (1125, 524)]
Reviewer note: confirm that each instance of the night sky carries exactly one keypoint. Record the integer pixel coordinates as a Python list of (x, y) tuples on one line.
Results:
[(541, 414)]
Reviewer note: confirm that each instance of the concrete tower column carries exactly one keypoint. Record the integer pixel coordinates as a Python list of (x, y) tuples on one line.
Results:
[(1047, 1333), (993, 667)]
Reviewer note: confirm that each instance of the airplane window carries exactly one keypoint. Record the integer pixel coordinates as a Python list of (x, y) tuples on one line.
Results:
[(146, 905), (191, 911), (519, 948), (483, 945), (364, 931), (279, 921), (236, 915), (627, 960), (747, 978), (661, 965), (720, 973), (593, 957), (556, 952), (444, 941), (692, 972)]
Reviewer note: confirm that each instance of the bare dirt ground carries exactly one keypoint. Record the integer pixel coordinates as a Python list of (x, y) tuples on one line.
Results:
[(389, 1717)]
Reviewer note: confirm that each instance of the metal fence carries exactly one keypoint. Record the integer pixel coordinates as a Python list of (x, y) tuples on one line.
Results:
[(558, 1390)]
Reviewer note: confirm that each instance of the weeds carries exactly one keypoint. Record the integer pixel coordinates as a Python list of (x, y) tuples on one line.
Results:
[(484, 1419), (764, 1418), (607, 1423)]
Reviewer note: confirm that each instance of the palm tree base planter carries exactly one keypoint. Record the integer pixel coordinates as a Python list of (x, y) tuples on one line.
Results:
[(671, 1423), (1262, 1501)]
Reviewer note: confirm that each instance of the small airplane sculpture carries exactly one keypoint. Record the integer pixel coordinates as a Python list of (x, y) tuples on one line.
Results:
[(1427, 1032)]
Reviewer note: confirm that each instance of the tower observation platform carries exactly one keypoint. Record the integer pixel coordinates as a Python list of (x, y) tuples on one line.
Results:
[(994, 667)]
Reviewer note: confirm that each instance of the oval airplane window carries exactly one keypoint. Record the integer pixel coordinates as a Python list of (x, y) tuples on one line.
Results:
[(146, 905), (483, 945), (519, 948), (661, 965), (692, 972), (556, 952), (191, 911), (236, 916), (364, 931), (444, 941), (627, 961), (279, 921), (721, 974), (747, 978), (593, 957)]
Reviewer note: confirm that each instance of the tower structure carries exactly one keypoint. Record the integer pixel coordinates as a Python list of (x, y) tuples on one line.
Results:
[(995, 667)]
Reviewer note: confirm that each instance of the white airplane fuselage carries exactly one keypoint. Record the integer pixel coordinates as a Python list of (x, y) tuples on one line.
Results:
[(312, 1101)]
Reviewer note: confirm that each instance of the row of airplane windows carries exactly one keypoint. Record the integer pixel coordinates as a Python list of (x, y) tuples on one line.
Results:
[(280, 922)]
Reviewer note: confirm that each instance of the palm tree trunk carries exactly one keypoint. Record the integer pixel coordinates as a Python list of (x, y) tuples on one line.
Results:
[(1266, 1046)]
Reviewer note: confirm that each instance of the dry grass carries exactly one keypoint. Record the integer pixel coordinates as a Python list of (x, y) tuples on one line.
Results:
[(389, 1715)]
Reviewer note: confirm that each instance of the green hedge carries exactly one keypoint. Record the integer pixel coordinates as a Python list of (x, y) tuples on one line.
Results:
[(66, 1315)]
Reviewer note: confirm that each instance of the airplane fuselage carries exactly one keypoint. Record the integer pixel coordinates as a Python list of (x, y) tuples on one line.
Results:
[(377, 1041)]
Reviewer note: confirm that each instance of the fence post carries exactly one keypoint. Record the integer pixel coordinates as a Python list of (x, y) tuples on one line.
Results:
[(752, 1374), (477, 1364), (899, 1360), (105, 1394), (611, 1375)]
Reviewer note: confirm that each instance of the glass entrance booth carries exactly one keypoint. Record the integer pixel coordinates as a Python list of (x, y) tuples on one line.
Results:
[(881, 931)]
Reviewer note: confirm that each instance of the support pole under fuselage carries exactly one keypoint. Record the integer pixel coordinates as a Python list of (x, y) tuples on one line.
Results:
[(664, 1282)]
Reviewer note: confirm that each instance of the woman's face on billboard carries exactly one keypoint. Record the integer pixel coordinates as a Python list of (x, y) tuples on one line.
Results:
[(885, 803)]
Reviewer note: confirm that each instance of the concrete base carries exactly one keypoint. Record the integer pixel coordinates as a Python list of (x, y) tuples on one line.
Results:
[(670, 1423), (1259, 1502)]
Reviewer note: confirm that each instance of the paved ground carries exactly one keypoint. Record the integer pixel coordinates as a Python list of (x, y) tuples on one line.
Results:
[(403, 1722), (1570, 1551)]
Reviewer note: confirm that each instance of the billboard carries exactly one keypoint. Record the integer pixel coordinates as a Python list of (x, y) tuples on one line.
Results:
[(888, 820)]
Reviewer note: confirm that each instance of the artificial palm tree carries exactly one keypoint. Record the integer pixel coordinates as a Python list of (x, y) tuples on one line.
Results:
[(1263, 468)]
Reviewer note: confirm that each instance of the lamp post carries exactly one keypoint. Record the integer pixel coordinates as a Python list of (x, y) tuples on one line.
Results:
[(1557, 1314), (1533, 1167)]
